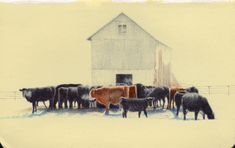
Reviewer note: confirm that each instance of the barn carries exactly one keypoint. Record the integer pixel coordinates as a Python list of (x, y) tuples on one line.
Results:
[(122, 52)]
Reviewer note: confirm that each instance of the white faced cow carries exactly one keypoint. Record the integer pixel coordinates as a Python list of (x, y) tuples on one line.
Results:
[(34, 95)]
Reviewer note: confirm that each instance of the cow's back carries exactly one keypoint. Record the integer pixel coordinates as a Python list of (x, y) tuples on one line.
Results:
[(192, 101), (134, 104), (43, 94)]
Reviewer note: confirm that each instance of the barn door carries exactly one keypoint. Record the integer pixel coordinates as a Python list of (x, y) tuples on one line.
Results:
[(123, 79)]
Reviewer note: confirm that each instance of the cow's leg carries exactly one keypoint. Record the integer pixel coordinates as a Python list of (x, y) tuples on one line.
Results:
[(156, 103), (44, 104), (173, 103), (145, 113), (169, 103), (184, 112), (163, 100), (126, 113), (79, 103), (54, 102), (33, 105), (177, 112), (160, 103), (139, 113), (203, 115), (196, 114), (70, 103), (168, 99), (107, 109), (66, 103), (123, 114), (60, 101)]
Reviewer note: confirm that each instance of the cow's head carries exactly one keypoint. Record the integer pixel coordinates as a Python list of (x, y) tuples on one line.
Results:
[(26, 93), (150, 101)]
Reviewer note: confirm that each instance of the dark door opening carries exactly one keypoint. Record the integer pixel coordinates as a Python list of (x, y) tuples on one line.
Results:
[(122, 79)]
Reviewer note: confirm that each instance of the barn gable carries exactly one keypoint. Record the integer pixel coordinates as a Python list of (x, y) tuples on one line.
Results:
[(121, 19)]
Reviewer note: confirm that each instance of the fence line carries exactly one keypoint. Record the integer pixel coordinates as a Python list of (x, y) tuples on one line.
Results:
[(206, 89)]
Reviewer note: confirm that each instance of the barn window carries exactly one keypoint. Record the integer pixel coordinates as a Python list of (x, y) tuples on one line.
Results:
[(122, 79), (122, 28)]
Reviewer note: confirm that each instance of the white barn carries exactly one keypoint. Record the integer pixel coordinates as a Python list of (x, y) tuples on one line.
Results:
[(123, 52)]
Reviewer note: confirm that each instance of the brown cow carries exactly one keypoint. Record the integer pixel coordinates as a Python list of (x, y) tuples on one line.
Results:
[(112, 95), (132, 91), (171, 98)]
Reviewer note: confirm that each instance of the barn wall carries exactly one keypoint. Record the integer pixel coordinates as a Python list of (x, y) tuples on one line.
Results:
[(133, 50), (107, 77), (163, 66)]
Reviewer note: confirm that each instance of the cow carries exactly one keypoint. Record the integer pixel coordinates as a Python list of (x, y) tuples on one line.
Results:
[(77, 94), (132, 91), (178, 96), (178, 100), (158, 93), (34, 95), (63, 97), (61, 94), (170, 99), (174, 90), (194, 102), (109, 95), (135, 104), (72, 93), (142, 90), (192, 89)]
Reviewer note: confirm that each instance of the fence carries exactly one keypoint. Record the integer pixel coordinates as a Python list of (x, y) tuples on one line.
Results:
[(10, 95), (209, 90), (216, 89)]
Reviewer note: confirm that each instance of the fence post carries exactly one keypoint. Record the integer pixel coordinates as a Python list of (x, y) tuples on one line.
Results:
[(228, 89), (15, 94)]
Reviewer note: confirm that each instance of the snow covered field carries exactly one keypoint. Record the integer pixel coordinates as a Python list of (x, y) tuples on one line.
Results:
[(92, 129)]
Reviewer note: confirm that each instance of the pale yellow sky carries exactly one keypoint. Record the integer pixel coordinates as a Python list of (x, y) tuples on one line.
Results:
[(45, 44)]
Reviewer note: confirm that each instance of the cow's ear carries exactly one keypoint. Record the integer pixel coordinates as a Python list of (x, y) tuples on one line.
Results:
[(22, 89)]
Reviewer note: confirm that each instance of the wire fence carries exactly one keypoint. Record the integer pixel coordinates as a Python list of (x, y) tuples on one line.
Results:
[(217, 89), (10, 95), (207, 90)]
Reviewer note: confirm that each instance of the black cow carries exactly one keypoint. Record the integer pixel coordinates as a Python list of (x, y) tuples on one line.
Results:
[(135, 104), (195, 102), (158, 93), (192, 89), (179, 94), (73, 93), (61, 94), (63, 97), (141, 90), (178, 100), (34, 95)]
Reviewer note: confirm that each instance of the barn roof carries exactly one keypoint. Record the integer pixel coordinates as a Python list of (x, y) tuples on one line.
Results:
[(90, 38)]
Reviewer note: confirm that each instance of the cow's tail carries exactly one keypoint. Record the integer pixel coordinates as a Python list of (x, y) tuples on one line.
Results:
[(90, 94), (136, 96), (52, 101), (126, 91)]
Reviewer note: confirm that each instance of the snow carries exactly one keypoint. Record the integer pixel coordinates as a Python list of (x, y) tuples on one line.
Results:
[(92, 129)]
